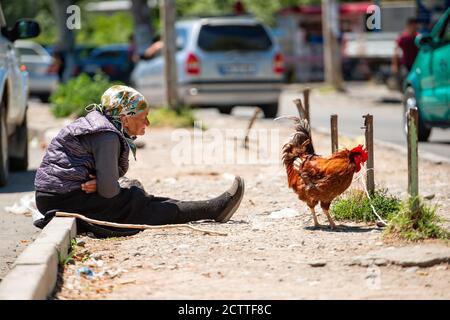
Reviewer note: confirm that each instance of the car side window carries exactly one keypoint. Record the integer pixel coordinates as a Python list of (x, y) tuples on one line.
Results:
[(234, 37), (27, 52), (181, 39), (109, 54)]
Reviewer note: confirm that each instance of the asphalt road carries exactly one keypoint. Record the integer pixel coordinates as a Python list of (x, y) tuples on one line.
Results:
[(17, 230), (360, 99)]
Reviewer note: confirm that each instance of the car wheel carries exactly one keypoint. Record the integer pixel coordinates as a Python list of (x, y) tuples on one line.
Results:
[(225, 109), (270, 110), (409, 101), (44, 97), (20, 139), (4, 159)]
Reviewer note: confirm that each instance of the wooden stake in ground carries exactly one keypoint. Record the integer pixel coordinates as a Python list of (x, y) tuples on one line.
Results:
[(302, 113), (135, 226), (413, 165), (334, 133), (368, 125), (250, 125), (301, 109), (306, 101)]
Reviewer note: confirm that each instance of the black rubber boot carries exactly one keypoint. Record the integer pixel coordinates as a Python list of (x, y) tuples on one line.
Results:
[(220, 208), (236, 193)]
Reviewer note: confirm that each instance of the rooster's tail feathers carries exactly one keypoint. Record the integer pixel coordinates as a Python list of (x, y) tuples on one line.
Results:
[(302, 135), (299, 143)]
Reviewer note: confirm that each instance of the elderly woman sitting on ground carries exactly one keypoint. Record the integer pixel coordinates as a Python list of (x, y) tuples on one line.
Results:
[(83, 163)]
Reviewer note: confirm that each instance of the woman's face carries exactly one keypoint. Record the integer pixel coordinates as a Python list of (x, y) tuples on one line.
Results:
[(135, 125)]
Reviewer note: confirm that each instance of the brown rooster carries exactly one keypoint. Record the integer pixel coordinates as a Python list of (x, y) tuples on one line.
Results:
[(315, 178)]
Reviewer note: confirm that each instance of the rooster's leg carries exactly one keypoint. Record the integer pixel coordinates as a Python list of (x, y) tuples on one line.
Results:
[(313, 212), (330, 220)]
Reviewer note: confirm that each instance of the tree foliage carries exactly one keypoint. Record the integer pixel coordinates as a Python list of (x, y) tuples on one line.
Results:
[(99, 28), (262, 9), (14, 10)]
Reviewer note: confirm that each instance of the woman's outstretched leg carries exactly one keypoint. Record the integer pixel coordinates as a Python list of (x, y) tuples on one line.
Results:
[(135, 206), (170, 211)]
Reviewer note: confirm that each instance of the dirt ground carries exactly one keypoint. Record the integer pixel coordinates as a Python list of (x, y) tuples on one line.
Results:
[(262, 257)]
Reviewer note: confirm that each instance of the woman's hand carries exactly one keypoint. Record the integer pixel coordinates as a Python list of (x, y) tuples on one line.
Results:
[(90, 186)]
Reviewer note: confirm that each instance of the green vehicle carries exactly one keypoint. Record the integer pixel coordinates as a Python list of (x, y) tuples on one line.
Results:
[(427, 85)]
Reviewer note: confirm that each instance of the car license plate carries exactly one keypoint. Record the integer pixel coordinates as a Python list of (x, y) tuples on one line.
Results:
[(237, 68)]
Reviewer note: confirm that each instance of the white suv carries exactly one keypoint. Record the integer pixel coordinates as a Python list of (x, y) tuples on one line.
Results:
[(13, 97), (221, 62)]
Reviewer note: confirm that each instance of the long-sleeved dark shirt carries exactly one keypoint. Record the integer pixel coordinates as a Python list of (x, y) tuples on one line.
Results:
[(105, 148)]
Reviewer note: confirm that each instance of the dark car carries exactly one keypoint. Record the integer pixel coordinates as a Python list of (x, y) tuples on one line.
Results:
[(81, 53), (113, 60)]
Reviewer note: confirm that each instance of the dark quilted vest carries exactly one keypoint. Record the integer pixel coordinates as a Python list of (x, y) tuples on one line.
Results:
[(66, 164)]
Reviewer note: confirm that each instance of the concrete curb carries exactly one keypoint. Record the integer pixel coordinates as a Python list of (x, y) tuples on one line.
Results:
[(428, 156), (34, 274)]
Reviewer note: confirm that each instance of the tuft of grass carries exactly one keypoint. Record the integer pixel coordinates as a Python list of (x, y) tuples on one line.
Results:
[(69, 258), (71, 98), (355, 206), (166, 117), (416, 220)]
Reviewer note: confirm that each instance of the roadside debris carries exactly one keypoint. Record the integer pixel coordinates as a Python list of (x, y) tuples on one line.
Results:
[(85, 271), (170, 180), (228, 176), (283, 213), (81, 243), (316, 264), (26, 206), (112, 273)]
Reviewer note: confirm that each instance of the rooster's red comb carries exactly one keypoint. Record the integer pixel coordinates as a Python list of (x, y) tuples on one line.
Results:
[(362, 151)]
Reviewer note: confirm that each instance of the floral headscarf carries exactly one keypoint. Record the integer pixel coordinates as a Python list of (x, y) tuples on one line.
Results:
[(118, 100)]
